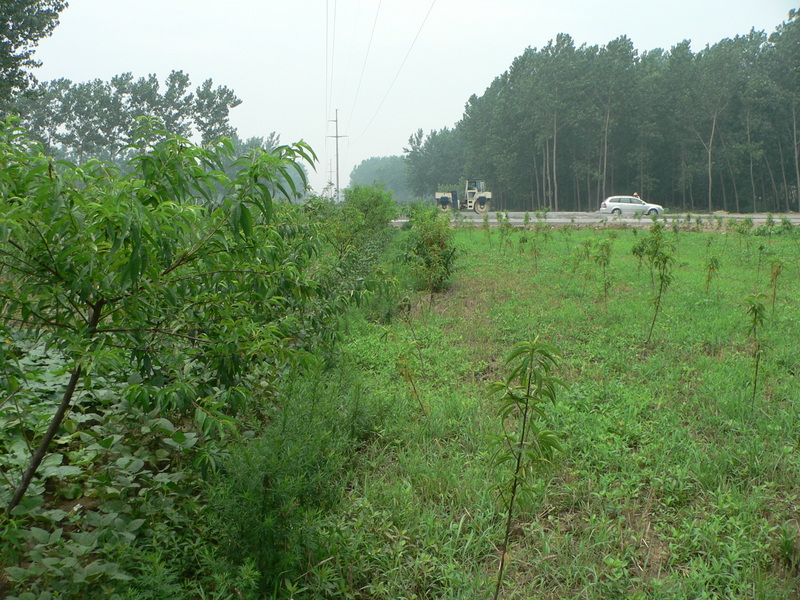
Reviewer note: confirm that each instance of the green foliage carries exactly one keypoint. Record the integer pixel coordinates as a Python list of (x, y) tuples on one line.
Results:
[(211, 111), (664, 263), (775, 272), (372, 205), (649, 248), (506, 229), (430, 250), (432, 159), (98, 119), (566, 231), (668, 485), (271, 456), (658, 253), (713, 266), (541, 226), (744, 228), (546, 130), (24, 23), (138, 258), (770, 228), (602, 257), (756, 315), (524, 444), (117, 510), (146, 316), (271, 492), (787, 226), (583, 256), (365, 212), (594, 252)]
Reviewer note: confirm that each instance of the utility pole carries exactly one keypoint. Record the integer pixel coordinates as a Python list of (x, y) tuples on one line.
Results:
[(330, 176), (337, 136)]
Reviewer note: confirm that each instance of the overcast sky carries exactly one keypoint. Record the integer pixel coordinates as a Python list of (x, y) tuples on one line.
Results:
[(390, 67)]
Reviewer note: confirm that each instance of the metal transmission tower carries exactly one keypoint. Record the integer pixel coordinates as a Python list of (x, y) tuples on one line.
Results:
[(337, 136)]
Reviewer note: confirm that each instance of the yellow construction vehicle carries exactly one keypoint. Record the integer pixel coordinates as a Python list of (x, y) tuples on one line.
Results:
[(475, 198)]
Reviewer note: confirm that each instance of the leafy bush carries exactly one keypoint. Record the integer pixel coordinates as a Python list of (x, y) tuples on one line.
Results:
[(274, 488), (374, 206), (146, 316), (430, 249), (365, 211)]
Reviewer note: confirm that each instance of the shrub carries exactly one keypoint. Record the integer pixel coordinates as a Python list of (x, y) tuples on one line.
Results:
[(373, 206), (430, 249)]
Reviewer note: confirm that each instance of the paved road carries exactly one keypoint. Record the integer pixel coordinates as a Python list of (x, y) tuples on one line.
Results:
[(585, 219)]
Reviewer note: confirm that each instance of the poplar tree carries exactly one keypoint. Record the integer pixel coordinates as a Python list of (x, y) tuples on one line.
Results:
[(22, 24)]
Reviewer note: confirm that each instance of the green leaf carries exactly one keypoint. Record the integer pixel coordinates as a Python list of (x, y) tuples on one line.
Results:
[(135, 525), (40, 535), (95, 568), (19, 574)]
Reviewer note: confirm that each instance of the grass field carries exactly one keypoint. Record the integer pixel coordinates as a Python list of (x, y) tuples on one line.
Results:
[(675, 479)]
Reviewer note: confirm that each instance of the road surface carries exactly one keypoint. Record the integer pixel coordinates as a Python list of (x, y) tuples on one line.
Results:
[(589, 219)]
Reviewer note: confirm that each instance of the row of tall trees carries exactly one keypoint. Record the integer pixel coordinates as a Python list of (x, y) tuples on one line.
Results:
[(567, 125), (98, 119), (105, 120)]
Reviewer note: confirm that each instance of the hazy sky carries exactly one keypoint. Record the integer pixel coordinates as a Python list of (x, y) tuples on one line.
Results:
[(389, 66)]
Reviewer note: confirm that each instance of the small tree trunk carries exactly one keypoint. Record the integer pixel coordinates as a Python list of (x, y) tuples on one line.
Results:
[(555, 170), (55, 422), (605, 149), (796, 153), (755, 376), (548, 195), (750, 151), (38, 456), (783, 175), (710, 149)]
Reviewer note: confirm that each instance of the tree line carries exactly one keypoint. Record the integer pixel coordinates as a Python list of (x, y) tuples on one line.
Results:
[(565, 126), (98, 119), (104, 120)]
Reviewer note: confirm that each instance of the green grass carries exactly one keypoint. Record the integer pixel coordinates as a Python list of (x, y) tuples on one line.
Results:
[(672, 483), (372, 475)]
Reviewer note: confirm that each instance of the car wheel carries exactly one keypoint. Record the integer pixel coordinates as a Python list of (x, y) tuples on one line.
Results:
[(652, 212), (444, 206), (616, 212)]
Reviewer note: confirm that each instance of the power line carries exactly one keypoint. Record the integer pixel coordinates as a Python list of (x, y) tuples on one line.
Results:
[(398, 73), (333, 56), (327, 62), (364, 66)]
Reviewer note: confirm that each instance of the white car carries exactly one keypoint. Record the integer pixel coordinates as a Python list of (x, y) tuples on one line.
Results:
[(629, 205)]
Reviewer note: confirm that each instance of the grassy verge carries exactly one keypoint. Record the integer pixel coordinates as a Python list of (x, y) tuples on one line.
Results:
[(673, 483)]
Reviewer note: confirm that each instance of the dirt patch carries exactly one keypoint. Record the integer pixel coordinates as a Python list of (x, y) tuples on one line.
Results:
[(652, 553), (80, 503)]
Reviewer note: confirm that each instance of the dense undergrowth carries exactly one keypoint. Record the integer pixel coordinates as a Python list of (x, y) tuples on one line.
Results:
[(673, 482), (363, 465), (155, 319)]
